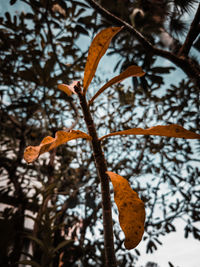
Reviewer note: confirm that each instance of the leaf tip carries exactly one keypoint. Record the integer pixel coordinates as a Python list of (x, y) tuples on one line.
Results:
[(68, 89), (65, 88), (30, 154)]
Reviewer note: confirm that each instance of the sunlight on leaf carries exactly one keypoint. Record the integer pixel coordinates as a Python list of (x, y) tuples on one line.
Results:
[(172, 130), (131, 71), (68, 89), (96, 51), (31, 153), (131, 210)]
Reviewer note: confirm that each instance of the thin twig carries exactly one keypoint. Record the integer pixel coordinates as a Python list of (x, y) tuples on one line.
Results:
[(192, 34)]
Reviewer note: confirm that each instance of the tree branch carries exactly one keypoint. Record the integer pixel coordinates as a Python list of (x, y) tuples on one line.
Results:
[(104, 180), (116, 20), (14, 201), (191, 69), (192, 34)]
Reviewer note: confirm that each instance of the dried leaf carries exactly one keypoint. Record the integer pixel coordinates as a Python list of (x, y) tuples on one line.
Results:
[(68, 89), (129, 72), (131, 210), (96, 51), (172, 130), (31, 153)]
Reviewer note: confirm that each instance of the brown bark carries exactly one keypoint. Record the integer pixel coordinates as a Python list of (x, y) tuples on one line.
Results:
[(104, 180)]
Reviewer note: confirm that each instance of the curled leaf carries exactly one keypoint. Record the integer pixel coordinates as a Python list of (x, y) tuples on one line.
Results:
[(96, 51), (68, 89), (31, 153), (172, 130), (131, 210), (129, 72)]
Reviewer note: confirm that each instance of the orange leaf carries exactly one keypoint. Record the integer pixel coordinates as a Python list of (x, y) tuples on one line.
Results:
[(129, 72), (96, 51), (172, 130), (68, 89), (131, 210), (31, 153)]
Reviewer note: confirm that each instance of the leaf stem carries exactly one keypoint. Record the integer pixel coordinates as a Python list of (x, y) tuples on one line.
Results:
[(104, 180)]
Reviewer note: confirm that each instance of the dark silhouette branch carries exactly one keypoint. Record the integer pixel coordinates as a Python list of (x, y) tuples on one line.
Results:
[(191, 69), (192, 34), (104, 180), (14, 201), (119, 22)]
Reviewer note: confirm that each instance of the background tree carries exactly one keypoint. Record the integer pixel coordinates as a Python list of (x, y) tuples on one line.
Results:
[(40, 48), (157, 33), (38, 51)]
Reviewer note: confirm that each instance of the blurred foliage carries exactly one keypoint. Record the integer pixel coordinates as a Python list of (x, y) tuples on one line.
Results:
[(41, 46)]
